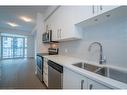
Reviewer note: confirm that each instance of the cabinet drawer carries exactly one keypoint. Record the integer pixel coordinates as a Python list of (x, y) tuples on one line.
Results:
[(45, 74), (46, 82), (45, 59), (45, 78), (45, 65), (45, 69)]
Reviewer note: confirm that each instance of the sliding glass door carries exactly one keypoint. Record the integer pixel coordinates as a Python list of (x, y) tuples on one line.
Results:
[(18, 47), (13, 47), (7, 47)]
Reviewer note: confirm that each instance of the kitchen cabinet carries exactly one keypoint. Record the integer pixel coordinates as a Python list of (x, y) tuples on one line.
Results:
[(107, 8), (63, 22), (95, 85), (63, 27), (97, 10), (45, 72), (73, 80), (68, 17)]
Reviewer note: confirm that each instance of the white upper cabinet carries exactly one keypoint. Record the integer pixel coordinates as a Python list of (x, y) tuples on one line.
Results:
[(96, 10), (67, 17), (63, 20), (107, 8), (79, 13)]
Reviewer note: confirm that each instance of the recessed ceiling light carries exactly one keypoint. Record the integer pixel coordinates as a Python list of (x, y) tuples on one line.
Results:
[(26, 19), (12, 24)]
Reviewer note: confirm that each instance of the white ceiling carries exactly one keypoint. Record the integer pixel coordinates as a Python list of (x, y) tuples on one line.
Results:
[(12, 14)]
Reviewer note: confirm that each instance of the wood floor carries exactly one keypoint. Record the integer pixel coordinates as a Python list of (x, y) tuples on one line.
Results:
[(19, 74)]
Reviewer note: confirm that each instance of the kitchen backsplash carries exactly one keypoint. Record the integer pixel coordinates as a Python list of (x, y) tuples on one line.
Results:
[(112, 34)]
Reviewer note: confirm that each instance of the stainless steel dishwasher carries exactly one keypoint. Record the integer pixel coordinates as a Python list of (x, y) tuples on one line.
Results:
[(55, 75)]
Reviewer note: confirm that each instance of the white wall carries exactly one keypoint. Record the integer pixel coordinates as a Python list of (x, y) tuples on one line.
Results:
[(39, 45), (112, 34), (15, 31), (30, 46)]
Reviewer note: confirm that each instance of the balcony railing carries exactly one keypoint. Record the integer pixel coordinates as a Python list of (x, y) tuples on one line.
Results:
[(9, 52)]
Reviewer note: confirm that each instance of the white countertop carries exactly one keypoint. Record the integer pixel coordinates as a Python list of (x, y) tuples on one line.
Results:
[(67, 61)]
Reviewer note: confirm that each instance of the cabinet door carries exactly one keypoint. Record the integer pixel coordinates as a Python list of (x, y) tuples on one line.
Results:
[(55, 33), (106, 8), (52, 21), (65, 19), (95, 10), (45, 71), (72, 80), (79, 13), (95, 85)]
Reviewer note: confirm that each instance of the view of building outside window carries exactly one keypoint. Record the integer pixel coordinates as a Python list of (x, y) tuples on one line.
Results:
[(25, 53), (7, 50), (14, 47)]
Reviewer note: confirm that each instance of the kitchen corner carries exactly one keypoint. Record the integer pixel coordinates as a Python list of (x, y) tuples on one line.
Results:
[(87, 55), (63, 47)]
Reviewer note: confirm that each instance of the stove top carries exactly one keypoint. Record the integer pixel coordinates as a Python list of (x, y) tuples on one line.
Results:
[(51, 51)]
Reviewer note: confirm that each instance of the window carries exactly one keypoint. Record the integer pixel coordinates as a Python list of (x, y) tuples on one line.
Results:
[(13, 46)]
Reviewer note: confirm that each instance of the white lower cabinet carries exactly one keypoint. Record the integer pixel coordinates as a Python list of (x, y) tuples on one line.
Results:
[(45, 72), (73, 80), (95, 85)]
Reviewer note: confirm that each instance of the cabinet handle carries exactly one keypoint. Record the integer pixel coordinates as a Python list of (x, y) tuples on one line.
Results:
[(82, 82), (93, 9), (101, 8), (90, 86)]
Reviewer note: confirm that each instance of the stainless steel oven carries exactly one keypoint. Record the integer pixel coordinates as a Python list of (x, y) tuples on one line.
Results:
[(40, 61), (39, 67)]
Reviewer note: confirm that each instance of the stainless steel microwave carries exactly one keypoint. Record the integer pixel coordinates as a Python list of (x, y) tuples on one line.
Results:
[(47, 36)]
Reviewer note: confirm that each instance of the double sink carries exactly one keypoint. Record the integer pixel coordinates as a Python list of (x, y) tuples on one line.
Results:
[(104, 71)]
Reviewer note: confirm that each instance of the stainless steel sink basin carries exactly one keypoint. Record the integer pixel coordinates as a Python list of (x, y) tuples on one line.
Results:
[(90, 67), (104, 71)]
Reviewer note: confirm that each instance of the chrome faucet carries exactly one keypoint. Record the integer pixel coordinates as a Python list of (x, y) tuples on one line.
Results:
[(101, 59)]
